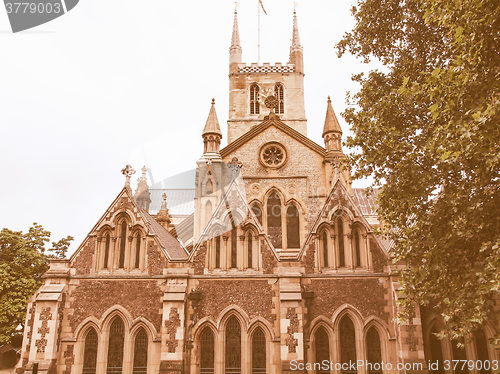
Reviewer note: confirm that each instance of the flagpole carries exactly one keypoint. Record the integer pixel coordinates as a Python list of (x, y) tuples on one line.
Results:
[(258, 33)]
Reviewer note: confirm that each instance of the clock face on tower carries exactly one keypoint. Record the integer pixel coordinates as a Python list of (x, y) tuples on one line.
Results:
[(273, 155)]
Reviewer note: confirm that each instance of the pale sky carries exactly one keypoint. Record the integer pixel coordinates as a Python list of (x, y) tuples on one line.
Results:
[(119, 82)]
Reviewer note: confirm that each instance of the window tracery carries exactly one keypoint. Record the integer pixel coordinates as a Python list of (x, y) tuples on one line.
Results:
[(322, 346), (258, 352), (279, 93), (347, 336), (254, 99), (90, 352), (141, 353), (115, 346), (207, 352), (233, 346)]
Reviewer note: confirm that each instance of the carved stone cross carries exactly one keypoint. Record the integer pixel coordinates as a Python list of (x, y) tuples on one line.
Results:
[(128, 171)]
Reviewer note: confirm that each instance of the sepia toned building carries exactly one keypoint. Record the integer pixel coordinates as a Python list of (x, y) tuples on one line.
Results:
[(271, 261)]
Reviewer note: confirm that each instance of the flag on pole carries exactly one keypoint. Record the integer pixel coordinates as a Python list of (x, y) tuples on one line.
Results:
[(262, 5)]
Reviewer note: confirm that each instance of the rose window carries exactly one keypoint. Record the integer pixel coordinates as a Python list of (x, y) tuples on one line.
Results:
[(273, 155)]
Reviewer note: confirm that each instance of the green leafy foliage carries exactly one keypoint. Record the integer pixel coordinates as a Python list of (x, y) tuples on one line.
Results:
[(23, 261), (427, 129)]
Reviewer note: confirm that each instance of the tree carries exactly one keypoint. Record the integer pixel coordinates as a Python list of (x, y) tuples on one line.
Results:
[(427, 128), (23, 261)]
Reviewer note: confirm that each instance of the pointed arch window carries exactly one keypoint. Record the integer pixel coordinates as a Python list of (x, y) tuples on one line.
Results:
[(123, 242), (324, 248), (207, 352), (436, 351), (208, 213), (482, 351), (250, 250), (373, 351), (137, 250), (258, 352), (107, 243), (459, 354), (233, 346), (279, 92), (90, 352), (347, 343), (292, 227), (340, 235), (274, 230), (234, 247), (258, 213), (322, 347), (141, 353), (254, 99), (217, 252), (357, 248), (115, 347)]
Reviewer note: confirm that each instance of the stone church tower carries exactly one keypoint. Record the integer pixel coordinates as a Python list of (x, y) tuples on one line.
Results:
[(277, 267)]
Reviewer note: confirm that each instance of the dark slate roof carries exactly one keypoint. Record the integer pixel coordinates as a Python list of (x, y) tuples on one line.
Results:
[(367, 204), (180, 201)]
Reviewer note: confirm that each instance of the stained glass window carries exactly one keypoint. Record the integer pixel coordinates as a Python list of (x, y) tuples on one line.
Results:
[(347, 343), (233, 346), (292, 227), (374, 351), (258, 352), (207, 351), (141, 352), (274, 220), (217, 252), (115, 346), (90, 352), (322, 347), (357, 248), (137, 250), (324, 242)]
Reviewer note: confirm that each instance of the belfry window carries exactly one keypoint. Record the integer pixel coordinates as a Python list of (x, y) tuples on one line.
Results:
[(233, 346), (115, 347), (322, 347), (279, 92), (207, 362), (141, 353), (347, 343), (274, 220), (254, 99), (340, 235), (258, 352), (374, 352), (90, 352), (123, 243), (292, 227)]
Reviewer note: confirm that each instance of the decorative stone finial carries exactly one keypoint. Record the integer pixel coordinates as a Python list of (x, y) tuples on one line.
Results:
[(128, 171), (235, 165), (213, 101)]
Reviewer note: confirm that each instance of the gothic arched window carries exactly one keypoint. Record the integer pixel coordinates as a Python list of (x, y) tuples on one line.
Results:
[(207, 352), (137, 250), (340, 235), (254, 99), (217, 252), (459, 354), (115, 346), (322, 347), (90, 352), (234, 247), (357, 248), (373, 351), (279, 92), (258, 352), (347, 343), (250, 250), (258, 213), (208, 213), (436, 351), (482, 350), (292, 227), (141, 353), (123, 242), (324, 248), (107, 242), (274, 220), (233, 346)]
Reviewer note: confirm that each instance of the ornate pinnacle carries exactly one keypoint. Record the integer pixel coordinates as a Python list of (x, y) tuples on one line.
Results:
[(128, 171)]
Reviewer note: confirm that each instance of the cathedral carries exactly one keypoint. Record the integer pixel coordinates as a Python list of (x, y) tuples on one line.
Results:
[(269, 264)]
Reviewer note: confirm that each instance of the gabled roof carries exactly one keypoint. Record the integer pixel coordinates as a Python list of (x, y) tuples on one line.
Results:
[(272, 120), (125, 201)]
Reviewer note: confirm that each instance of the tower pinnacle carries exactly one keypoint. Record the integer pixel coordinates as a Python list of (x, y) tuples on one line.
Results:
[(332, 133), (211, 133), (296, 56), (235, 51)]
